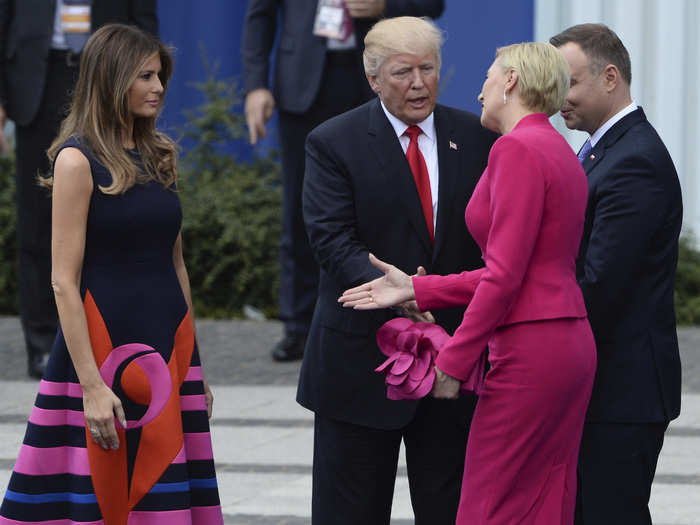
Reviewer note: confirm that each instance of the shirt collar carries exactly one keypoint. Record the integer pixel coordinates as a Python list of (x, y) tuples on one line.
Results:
[(427, 126), (611, 122)]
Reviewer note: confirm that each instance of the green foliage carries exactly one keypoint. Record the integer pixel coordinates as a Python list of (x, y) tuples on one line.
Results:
[(8, 243), (231, 209), (687, 293)]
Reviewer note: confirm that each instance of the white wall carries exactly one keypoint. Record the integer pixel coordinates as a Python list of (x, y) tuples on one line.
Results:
[(664, 45)]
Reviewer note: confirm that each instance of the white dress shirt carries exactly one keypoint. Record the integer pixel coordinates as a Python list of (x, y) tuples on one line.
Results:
[(427, 144), (611, 122)]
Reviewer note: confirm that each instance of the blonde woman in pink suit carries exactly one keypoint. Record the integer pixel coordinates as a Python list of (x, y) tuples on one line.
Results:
[(527, 215)]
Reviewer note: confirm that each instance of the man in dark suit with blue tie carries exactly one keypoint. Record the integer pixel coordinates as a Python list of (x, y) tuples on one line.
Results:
[(40, 43), (316, 77), (391, 177), (626, 269)]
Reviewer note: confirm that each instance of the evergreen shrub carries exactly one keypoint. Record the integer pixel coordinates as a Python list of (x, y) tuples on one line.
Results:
[(687, 291), (232, 209)]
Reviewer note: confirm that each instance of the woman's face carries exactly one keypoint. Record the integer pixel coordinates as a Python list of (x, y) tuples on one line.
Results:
[(491, 96), (144, 95)]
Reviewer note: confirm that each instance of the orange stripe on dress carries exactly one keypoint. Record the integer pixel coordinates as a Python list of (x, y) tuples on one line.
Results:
[(162, 439), (108, 468)]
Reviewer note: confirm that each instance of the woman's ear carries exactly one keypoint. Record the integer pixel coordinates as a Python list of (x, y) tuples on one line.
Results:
[(511, 80)]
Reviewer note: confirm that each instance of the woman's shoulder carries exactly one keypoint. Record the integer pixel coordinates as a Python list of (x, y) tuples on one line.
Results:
[(79, 144), (71, 169), (514, 146), (76, 153)]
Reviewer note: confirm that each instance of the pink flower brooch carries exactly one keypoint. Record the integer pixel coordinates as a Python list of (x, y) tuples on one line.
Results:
[(411, 349)]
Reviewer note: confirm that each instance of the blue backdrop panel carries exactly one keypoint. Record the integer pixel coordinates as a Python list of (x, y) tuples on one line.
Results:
[(213, 27), (473, 32)]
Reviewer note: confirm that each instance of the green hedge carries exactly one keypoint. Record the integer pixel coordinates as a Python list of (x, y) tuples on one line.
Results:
[(687, 296), (231, 210)]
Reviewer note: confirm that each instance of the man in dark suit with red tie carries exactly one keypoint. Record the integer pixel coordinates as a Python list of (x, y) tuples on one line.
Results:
[(626, 269), (391, 177), (40, 44), (316, 77)]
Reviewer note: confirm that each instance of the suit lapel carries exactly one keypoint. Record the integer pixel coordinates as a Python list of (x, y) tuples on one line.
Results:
[(449, 167), (394, 168), (610, 137)]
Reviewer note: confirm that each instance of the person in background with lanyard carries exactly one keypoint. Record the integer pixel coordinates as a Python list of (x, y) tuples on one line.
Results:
[(40, 46), (318, 74)]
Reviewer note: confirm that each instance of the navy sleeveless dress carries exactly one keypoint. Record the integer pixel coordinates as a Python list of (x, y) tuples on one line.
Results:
[(142, 337)]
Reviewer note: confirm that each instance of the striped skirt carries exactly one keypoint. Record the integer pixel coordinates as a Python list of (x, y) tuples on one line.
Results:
[(162, 472)]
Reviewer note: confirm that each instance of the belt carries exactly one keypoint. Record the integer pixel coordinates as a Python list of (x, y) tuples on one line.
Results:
[(66, 56)]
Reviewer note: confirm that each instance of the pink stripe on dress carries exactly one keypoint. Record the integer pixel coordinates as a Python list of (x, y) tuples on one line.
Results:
[(207, 515), (53, 388), (193, 516), (36, 461), (48, 418), (180, 458), (194, 373), (198, 446), (7, 521), (195, 402)]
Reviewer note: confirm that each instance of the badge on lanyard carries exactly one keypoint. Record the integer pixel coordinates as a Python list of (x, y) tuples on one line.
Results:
[(332, 20), (75, 22)]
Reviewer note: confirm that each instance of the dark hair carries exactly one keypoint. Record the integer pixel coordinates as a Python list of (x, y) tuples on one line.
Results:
[(109, 64), (600, 44)]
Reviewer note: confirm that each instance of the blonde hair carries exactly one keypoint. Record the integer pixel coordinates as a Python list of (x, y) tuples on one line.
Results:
[(403, 34), (99, 113), (543, 74)]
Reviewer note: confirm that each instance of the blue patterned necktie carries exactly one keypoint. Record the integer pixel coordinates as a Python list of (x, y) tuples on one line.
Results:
[(585, 150), (75, 20)]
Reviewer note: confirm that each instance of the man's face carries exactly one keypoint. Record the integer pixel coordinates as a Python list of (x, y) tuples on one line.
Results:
[(586, 105), (408, 86)]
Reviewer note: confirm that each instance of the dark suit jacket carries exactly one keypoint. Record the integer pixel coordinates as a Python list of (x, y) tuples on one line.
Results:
[(626, 269), (300, 54), (360, 197), (26, 29)]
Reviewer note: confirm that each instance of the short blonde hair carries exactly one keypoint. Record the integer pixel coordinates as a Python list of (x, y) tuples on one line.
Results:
[(543, 74), (403, 34)]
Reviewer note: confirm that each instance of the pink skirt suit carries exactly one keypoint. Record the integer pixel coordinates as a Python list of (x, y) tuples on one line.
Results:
[(527, 215)]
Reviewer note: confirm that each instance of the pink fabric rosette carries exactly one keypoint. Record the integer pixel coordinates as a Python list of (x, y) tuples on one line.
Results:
[(411, 349)]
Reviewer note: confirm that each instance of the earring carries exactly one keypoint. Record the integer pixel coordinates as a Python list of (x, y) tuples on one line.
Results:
[(505, 100)]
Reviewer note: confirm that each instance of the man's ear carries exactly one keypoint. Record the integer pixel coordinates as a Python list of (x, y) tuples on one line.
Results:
[(611, 77), (372, 79)]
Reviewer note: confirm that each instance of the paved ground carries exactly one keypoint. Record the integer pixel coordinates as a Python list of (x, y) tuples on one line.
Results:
[(263, 439)]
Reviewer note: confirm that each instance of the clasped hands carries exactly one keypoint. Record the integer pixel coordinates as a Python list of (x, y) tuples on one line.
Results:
[(395, 288)]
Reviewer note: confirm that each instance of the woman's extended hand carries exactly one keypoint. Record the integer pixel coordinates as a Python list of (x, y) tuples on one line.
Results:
[(445, 386), (101, 406), (394, 288)]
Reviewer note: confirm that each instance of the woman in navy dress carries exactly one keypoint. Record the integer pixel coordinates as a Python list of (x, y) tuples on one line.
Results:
[(119, 432)]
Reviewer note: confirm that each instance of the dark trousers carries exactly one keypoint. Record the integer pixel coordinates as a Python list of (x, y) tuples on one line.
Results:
[(616, 467), (343, 87), (355, 467), (36, 302)]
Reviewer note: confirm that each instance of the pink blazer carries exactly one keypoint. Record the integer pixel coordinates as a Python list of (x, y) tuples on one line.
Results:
[(526, 214)]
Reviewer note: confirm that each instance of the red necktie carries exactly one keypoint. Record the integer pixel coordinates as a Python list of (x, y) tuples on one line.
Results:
[(420, 175)]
